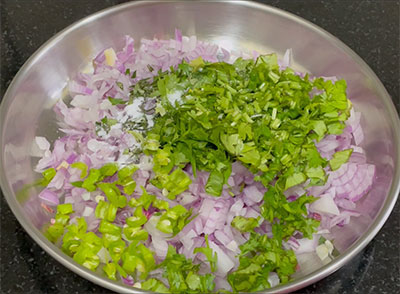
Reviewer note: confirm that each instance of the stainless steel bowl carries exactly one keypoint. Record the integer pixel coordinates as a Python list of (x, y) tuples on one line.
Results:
[(26, 108)]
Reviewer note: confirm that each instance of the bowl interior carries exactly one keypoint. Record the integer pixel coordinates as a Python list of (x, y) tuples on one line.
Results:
[(26, 111)]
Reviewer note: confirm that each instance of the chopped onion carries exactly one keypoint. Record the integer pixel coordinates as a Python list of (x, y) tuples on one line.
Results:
[(224, 263), (49, 197), (325, 204)]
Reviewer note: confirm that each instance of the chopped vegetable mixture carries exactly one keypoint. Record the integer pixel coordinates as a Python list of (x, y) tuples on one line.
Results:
[(186, 168)]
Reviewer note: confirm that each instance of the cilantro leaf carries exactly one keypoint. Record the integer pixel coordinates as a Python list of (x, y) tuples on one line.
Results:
[(117, 101), (244, 224), (339, 158), (183, 276), (259, 256), (208, 252), (215, 183), (295, 179), (154, 285), (288, 217)]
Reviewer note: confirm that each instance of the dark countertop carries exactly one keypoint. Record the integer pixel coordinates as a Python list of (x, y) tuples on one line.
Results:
[(370, 28)]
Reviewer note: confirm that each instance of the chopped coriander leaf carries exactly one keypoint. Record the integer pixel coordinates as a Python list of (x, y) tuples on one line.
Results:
[(117, 101), (295, 179), (287, 217), (196, 63), (77, 184), (108, 169), (209, 254), (151, 143), (215, 183), (339, 158), (249, 111), (321, 240), (316, 173), (183, 276), (259, 256), (154, 285), (319, 127), (127, 171), (109, 121), (120, 85), (244, 224)]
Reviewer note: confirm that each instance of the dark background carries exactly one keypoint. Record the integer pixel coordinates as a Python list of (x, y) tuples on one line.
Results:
[(370, 28)]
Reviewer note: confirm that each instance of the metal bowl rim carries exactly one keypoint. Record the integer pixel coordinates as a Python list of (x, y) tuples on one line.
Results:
[(308, 279)]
